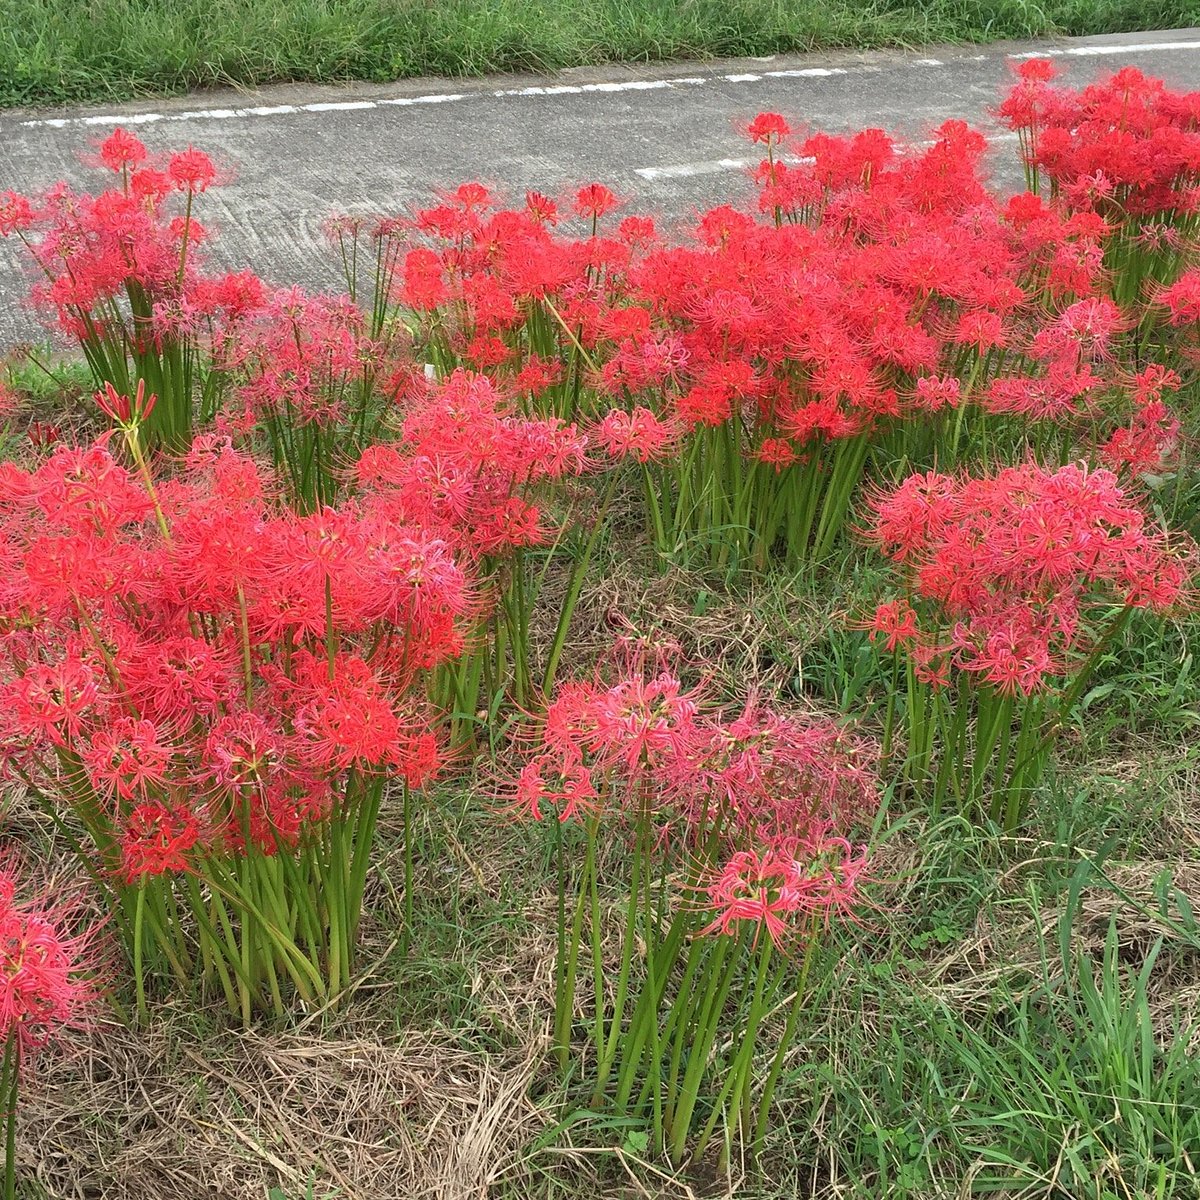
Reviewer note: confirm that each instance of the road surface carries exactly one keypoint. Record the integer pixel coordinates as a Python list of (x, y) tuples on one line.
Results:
[(663, 136)]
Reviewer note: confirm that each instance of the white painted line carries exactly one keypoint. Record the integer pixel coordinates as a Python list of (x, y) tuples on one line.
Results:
[(636, 85), (561, 89), (1094, 51), (117, 119), (807, 73), (579, 89), (686, 170), (339, 106), (435, 98), (136, 119), (630, 85)]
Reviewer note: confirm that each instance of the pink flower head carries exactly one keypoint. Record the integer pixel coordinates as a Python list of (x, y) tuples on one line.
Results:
[(157, 841), (638, 434), (191, 170), (555, 785), (44, 988), (127, 758), (594, 200), (895, 622), (756, 889), (121, 150), (640, 722), (768, 128)]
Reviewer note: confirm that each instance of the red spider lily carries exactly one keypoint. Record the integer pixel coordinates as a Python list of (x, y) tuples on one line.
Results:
[(233, 679), (191, 170), (46, 988), (755, 890), (157, 840), (44, 985), (594, 201), (639, 434), (121, 150), (896, 622), (769, 128), (125, 411), (1129, 127), (548, 785), (750, 810), (1012, 579), (1181, 300), (784, 892)]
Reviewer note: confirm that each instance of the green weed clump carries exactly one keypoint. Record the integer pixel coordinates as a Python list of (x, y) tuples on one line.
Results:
[(57, 51)]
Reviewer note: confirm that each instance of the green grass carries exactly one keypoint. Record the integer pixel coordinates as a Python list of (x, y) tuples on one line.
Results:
[(54, 51)]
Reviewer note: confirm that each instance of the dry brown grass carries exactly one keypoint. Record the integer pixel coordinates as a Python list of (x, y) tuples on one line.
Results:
[(164, 1115)]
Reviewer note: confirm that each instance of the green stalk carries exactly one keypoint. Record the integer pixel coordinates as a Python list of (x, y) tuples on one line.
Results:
[(649, 1005), (561, 932), (738, 1077), (408, 868), (139, 977), (10, 1078), (210, 945), (789, 1032), (680, 1020), (994, 713), (564, 1012), (720, 981), (628, 943)]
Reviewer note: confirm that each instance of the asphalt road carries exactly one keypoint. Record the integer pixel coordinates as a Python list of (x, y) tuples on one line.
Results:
[(663, 136)]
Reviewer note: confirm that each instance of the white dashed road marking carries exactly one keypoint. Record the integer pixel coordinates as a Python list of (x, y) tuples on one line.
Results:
[(570, 89), (1093, 51)]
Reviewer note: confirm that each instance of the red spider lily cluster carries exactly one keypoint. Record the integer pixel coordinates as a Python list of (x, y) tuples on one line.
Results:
[(44, 986), (469, 467), (116, 273), (776, 787), (1009, 571), (92, 252), (269, 650), (1126, 152), (737, 827), (1015, 583), (199, 673), (1125, 147), (493, 484), (787, 340)]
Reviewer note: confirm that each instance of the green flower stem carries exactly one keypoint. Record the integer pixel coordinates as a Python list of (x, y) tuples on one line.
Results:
[(10, 1079), (703, 1033), (139, 974), (628, 946), (578, 572), (737, 1079), (789, 1032), (564, 1013)]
